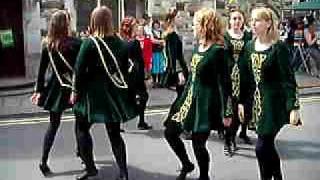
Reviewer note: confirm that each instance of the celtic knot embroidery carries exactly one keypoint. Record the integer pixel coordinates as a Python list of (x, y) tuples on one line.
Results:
[(184, 109), (237, 46), (257, 61), (296, 103), (235, 77)]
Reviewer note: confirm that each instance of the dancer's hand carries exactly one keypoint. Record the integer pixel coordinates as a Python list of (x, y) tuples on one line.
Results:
[(35, 98), (295, 118), (227, 121), (241, 112), (73, 98), (182, 79)]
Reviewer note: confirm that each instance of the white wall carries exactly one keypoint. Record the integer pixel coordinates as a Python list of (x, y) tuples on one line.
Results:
[(32, 37), (31, 27), (69, 5)]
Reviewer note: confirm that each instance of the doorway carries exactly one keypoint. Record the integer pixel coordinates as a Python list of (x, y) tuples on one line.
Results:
[(11, 40)]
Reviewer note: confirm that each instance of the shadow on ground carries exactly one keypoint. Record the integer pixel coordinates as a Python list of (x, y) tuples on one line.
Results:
[(108, 170), (157, 133)]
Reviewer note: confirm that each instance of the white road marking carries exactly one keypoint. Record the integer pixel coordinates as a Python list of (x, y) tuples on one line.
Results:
[(65, 118)]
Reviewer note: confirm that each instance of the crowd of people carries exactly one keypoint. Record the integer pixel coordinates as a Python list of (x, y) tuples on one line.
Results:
[(301, 36), (235, 78), (152, 36)]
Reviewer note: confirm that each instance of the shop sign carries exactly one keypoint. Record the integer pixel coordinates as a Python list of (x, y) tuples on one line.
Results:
[(6, 38)]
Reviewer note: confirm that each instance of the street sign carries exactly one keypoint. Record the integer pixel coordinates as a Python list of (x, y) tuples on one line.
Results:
[(6, 38)]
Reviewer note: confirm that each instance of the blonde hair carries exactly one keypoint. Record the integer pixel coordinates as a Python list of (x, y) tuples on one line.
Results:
[(210, 25), (58, 29), (101, 21), (266, 14)]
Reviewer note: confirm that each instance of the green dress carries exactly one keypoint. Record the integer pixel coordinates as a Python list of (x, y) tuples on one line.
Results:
[(103, 97), (136, 74), (56, 97), (174, 59), (200, 107), (270, 83), (233, 55)]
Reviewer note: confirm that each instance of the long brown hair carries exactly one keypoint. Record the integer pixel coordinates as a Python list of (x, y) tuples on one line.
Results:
[(170, 17), (127, 27), (242, 14), (210, 25), (58, 29), (101, 21)]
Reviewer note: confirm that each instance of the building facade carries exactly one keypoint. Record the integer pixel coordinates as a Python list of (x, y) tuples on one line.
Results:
[(21, 34), (12, 39)]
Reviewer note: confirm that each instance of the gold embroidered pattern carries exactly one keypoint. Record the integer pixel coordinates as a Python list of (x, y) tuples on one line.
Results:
[(235, 78), (228, 111), (184, 109), (297, 103), (237, 46), (257, 61), (235, 74)]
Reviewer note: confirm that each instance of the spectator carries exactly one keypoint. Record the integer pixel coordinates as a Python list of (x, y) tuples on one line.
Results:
[(313, 48), (158, 61)]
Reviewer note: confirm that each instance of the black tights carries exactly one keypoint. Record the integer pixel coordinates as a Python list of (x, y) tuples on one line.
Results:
[(179, 89), (142, 105), (156, 78), (118, 147), (55, 118), (231, 131), (86, 146), (199, 148), (268, 158)]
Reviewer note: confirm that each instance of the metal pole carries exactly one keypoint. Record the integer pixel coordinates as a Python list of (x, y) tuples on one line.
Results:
[(215, 4), (120, 11), (98, 3)]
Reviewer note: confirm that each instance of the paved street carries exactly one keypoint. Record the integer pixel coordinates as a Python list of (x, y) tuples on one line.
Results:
[(149, 157), (25, 24)]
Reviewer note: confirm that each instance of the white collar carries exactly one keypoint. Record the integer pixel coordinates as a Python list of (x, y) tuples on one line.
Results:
[(234, 35), (258, 46)]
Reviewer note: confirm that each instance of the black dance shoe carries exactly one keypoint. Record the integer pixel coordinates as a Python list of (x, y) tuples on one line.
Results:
[(221, 134), (234, 147), (87, 175), (227, 150), (187, 135), (184, 171), (144, 126), (204, 178), (45, 170), (121, 178)]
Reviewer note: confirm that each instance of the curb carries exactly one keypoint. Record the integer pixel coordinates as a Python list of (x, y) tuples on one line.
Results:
[(18, 86), (31, 85), (44, 113)]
